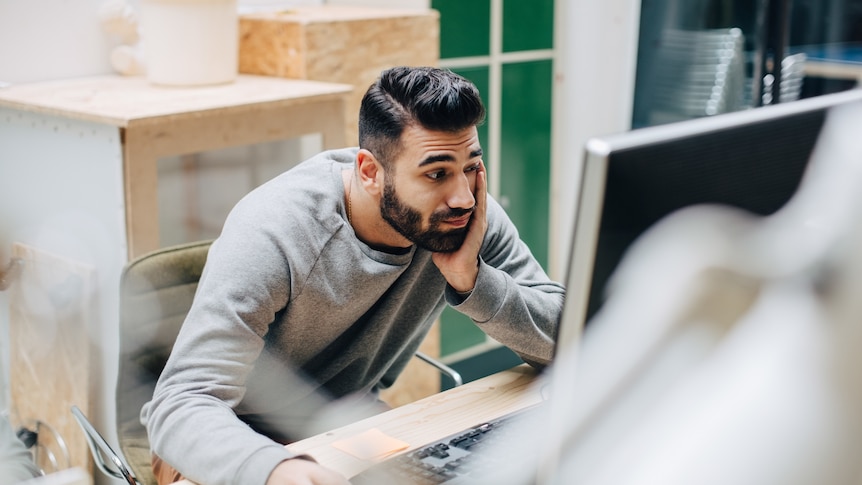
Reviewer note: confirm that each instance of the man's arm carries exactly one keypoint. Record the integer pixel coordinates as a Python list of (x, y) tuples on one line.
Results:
[(460, 268), (511, 297), (191, 421), (513, 301)]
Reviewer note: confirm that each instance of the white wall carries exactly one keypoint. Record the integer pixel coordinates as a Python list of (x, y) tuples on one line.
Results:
[(51, 39)]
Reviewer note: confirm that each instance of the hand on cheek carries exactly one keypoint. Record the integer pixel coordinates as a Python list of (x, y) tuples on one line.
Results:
[(461, 267)]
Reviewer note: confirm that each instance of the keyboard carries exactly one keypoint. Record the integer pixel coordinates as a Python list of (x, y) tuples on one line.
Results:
[(456, 459)]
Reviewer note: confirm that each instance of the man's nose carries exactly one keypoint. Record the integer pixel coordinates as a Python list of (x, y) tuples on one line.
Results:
[(462, 193)]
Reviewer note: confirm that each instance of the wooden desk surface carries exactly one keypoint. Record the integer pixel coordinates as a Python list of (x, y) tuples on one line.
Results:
[(132, 101), (428, 419), (155, 122)]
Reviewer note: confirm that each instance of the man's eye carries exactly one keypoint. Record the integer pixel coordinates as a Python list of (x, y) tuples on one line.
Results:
[(439, 174)]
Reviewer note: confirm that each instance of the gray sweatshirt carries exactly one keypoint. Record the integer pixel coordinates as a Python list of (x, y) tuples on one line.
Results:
[(293, 311)]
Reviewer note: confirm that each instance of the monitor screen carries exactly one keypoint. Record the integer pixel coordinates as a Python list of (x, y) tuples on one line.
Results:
[(753, 160)]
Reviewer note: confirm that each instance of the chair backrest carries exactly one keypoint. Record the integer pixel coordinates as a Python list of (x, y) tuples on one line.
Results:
[(156, 292)]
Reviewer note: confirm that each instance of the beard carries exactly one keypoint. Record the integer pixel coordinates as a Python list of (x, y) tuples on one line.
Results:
[(408, 222)]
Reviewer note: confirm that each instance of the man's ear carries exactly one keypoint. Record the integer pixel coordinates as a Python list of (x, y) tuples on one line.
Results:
[(370, 172)]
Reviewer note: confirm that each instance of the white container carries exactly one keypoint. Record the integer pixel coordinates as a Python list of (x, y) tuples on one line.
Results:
[(190, 42)]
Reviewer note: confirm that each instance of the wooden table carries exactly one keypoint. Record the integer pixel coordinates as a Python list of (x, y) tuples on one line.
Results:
[(428, 419), (154, 122)]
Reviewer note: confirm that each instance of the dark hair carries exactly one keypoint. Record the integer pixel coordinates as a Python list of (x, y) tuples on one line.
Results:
[(435, 99)]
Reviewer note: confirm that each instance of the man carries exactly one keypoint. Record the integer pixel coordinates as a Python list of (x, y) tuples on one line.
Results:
[(337, 269)]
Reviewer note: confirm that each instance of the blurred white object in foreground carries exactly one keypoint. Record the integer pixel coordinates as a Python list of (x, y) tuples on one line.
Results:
[(729, 350)]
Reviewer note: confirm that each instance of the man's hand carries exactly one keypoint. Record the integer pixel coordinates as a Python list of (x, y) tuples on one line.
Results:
[(461, 267), (299, 471)]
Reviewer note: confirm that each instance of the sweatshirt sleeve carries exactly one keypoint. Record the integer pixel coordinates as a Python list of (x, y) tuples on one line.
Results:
[(514, 301)]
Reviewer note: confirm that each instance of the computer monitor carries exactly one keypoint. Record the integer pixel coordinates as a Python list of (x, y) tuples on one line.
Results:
[(754, 160), (751, 159)]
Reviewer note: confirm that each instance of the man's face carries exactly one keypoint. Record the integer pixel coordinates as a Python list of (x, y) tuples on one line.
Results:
[(429, 193)]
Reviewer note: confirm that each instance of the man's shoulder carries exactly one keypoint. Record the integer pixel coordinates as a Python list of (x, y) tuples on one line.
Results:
[(342, 157), (316, 175), (309, 194), (497, 216), (501, 230)]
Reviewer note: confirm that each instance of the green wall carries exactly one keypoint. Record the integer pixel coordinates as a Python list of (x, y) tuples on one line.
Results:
[(521, 70)]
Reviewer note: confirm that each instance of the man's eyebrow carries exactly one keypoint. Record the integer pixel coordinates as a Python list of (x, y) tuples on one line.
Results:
[(436, 158), (447, 158)]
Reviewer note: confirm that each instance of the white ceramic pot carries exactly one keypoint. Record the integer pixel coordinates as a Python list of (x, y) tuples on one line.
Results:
[(190, 42)]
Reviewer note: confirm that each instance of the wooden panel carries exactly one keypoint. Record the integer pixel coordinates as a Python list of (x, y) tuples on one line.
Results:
[(51, 304), (271, 47), (339, 44)]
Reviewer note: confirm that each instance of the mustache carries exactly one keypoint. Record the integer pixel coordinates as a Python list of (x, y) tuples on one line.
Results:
[(451, 214)]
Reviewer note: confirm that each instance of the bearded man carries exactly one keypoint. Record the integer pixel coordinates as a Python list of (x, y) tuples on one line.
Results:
[(335, 271)]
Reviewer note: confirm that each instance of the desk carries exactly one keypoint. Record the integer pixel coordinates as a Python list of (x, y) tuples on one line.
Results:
[(428, 419), (153, 122)]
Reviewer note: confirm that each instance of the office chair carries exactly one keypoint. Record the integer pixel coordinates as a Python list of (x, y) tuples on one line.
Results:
[(156, 293), (101, 450)]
